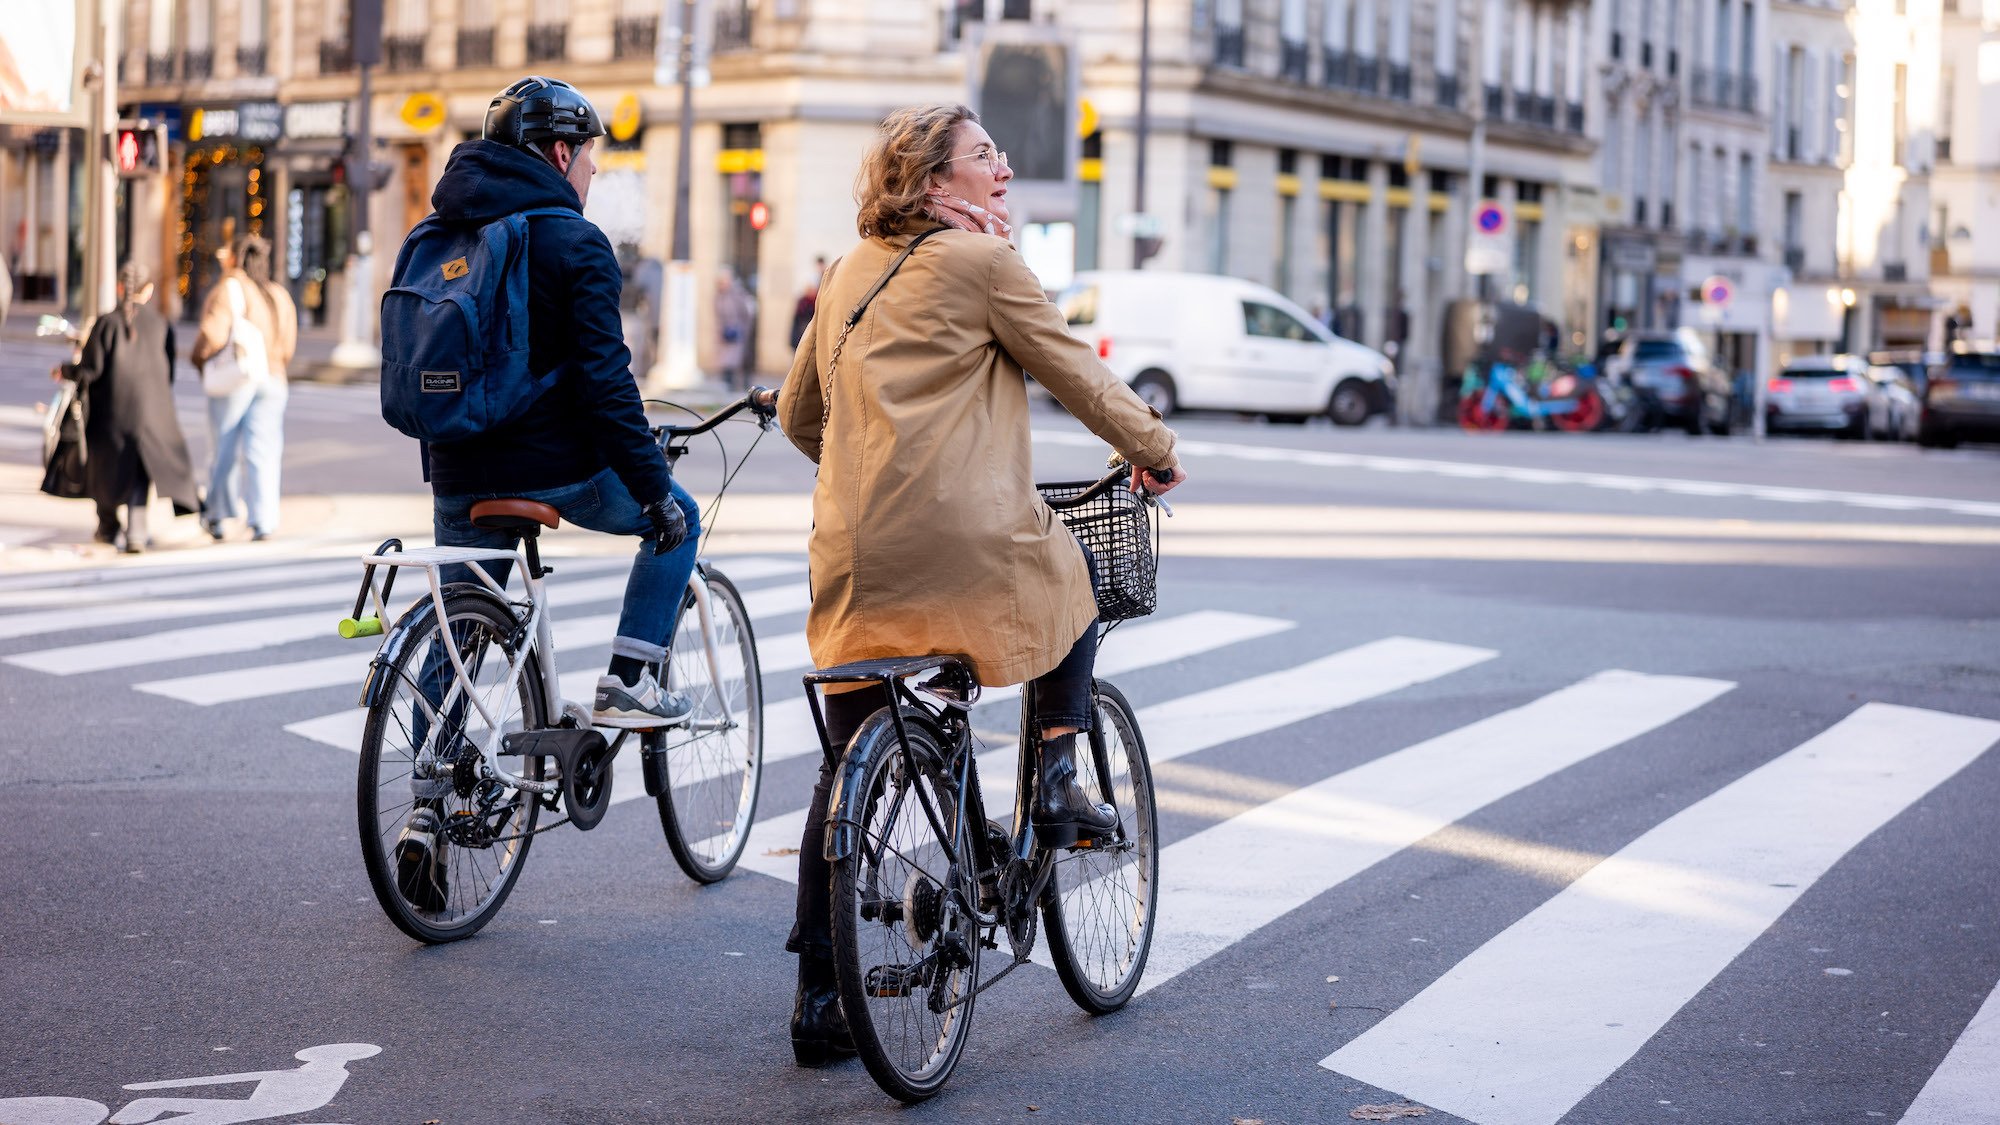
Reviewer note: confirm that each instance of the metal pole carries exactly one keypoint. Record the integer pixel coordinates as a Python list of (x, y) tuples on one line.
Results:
[(675, 368), (100, 268), (1139, 240), (354, 349), (1475, 163)]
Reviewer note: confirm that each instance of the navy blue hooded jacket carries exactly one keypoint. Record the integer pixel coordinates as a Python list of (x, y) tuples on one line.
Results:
[(592, 418)]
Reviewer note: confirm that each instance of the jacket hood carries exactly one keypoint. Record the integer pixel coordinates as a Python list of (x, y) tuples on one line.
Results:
[(484, 180)]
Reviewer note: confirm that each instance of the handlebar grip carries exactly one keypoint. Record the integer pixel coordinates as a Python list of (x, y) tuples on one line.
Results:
[(1164, 476)]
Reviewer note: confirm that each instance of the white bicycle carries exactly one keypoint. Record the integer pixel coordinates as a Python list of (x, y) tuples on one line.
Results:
[(469, 741)]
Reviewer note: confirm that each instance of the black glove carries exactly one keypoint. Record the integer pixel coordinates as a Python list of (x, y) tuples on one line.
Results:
[(670, 528)]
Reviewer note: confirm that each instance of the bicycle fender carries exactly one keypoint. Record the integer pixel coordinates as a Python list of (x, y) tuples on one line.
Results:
[(875, 737), (414, 622)]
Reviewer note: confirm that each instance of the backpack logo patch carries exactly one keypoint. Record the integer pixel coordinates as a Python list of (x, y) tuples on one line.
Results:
[(454, 269), (440, 382)]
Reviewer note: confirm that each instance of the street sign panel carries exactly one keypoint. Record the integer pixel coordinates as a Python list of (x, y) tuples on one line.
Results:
[(1489, 246)]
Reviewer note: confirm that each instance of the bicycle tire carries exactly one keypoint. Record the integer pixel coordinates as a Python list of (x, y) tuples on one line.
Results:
[(879, 940), (1099, 906), (707, 803), (398, 731)]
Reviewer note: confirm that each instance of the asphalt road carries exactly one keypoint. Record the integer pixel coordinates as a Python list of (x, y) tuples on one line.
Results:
[(1617, 779)]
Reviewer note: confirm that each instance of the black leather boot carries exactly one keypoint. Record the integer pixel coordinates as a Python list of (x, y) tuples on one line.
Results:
[(819, 1029), (1063, 813)]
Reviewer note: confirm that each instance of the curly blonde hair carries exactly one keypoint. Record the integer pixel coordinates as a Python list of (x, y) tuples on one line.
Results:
[(911, 146)]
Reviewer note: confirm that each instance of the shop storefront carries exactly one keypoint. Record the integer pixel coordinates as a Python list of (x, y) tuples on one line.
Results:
[(313, 245), (224, 190)]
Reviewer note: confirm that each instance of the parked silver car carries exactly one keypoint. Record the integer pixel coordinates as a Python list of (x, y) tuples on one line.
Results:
[(1675, 378), (1819, 394), (1895, 407)]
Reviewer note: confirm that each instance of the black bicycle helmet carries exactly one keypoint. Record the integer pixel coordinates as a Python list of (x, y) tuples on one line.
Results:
[(537, 110)]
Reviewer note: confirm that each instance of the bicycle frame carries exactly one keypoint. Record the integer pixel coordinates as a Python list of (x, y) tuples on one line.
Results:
[(540, 631)]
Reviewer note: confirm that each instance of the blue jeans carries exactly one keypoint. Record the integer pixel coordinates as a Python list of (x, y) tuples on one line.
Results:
[(652, 593), (248, 426)]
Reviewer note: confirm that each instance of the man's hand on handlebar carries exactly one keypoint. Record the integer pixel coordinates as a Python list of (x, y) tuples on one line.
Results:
[(1157, 481)]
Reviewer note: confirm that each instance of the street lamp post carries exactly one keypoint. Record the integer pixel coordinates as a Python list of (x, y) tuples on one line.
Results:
[(675, 368), (355, 350), (1144, 245)]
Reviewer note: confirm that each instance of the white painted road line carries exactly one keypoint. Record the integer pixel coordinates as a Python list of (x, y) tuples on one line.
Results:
[(1531, 1022), (1466, 470), (243, 636), (161, 609), (1965, 1088), (199, 582), (1197, 722), (345, 728), (1220, 885)]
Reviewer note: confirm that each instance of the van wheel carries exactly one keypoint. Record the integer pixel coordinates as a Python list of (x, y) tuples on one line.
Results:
[(1349, 404), (1156, 389)]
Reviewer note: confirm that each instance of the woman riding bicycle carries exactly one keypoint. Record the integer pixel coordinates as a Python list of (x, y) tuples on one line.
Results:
[(928, 534)]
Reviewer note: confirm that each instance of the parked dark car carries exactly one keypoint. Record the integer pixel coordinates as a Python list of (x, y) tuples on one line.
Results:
[(1962, 401), (1915, 366), (1676, 379), (1819, 394)]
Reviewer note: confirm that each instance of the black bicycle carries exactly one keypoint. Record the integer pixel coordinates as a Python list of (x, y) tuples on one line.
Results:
[(923, 881)]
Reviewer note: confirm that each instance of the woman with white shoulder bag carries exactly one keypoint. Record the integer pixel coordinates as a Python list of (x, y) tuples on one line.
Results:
[(249, 328)]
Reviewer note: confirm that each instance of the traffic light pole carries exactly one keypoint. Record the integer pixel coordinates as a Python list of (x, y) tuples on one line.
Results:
[(675, 367)]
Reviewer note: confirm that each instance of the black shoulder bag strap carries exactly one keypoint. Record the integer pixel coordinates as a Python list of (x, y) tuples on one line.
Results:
[(853, 318)]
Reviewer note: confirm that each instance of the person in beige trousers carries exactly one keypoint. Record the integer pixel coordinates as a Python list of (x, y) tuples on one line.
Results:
[(249, 330)]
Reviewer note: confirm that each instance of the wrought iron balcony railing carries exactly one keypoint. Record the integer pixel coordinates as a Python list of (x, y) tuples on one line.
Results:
[(635, 37), (475, 46), (403, 52), (548, 42)]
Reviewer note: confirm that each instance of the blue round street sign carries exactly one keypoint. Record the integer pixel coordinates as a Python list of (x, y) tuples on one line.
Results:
[(1717, 290), (1491, 218)]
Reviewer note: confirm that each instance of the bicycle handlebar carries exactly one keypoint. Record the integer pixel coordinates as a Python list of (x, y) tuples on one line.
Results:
[(748, 402), (1119, 471)]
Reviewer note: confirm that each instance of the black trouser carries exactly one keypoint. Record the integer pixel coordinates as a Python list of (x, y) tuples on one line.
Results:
[(135, 516), (1062, 699)]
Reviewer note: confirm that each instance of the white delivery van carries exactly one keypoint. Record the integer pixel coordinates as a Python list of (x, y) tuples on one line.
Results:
[(1206, 342)]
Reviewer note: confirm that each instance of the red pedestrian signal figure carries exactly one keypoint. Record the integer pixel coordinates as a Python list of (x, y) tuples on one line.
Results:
[(760, 215)]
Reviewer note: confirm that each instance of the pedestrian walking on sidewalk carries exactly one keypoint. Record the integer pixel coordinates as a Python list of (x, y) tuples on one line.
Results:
[(132, 438), (249, 329), (808, 305)]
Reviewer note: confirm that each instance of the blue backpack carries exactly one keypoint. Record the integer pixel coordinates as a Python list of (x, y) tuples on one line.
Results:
[(455, 329)]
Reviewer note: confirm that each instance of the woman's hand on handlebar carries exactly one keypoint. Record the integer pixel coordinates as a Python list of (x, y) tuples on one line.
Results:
[(762, 399), (1157, 481)]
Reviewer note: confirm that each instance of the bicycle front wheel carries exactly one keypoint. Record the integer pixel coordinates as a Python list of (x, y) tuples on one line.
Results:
[(906, 948), (714, 764), (1100, 903), (443, 846)]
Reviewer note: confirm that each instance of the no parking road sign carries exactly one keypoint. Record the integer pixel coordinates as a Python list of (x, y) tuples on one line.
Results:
[(1490, 249), (1717, 291)]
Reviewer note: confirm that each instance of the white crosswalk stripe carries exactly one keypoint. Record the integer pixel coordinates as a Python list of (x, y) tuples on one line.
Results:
[(1197, 722), (1520, 1031), (1222, 884), (1965, 1088)]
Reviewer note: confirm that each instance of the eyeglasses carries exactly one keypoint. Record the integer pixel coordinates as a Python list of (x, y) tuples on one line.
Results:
[(994, 160)]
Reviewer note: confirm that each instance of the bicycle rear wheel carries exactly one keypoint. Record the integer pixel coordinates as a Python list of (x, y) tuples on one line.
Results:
[(419, 774), (715, 763), (1099, 905), (906, 949)]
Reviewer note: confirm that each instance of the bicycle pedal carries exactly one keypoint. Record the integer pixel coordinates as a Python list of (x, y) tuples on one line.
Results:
[(890, 982)]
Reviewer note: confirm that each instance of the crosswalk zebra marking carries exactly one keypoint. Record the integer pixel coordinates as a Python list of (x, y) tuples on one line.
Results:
[(1526, 1026), (1965, 1088), (343, 729), (162, 609), (788, 726), (149, 587), (269, 632), (1225, 882), (1202, 720)]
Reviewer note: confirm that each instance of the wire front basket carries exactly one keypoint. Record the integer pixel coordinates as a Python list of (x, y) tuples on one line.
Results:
[(1121, 530)]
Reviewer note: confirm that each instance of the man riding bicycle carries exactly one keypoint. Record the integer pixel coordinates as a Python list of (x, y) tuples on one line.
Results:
[(583, 448)]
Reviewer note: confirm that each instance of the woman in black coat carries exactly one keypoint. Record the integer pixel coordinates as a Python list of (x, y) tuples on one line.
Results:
[(132, 436)]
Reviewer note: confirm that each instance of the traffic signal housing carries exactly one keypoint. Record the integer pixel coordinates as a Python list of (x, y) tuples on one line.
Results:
[(139, 149)]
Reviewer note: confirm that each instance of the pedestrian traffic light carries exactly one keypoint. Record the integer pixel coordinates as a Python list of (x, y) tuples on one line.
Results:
[(139, 149), (760, 215)]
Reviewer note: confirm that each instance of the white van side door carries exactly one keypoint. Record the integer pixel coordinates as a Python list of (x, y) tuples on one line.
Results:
[(1289, 361)]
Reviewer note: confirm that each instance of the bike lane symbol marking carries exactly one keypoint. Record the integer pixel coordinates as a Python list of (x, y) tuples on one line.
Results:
[(279, 1093)]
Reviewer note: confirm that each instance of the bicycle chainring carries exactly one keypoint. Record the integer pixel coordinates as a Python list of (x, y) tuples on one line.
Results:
[(1017, 884)]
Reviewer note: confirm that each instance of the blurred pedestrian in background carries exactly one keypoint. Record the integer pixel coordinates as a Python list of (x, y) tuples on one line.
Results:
[(802, 313), (132, 439), (734, 312), (249, 329), (6, 291)]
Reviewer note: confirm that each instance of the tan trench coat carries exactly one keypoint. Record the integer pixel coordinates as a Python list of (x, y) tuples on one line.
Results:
[(928, 535)]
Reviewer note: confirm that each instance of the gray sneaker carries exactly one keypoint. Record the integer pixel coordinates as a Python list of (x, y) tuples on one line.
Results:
[(642, 706)]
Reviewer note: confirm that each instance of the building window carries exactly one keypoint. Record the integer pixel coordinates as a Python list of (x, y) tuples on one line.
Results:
[(548, 31), (1229, 33), (1746, 202), (475, 33), (1843, 110), (1947, 95), (635, 34), (1902, 114), (1221, 182)]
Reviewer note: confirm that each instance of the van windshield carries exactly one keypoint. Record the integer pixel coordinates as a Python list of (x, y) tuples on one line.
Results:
[(1079, 304)]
